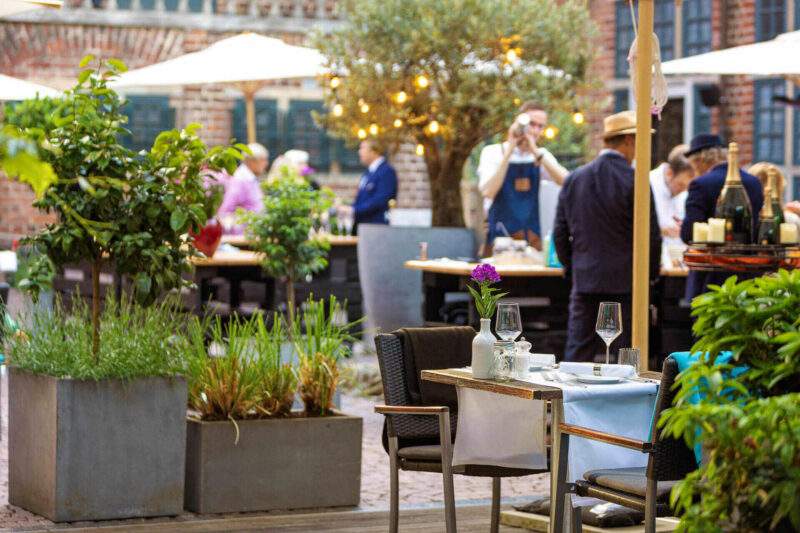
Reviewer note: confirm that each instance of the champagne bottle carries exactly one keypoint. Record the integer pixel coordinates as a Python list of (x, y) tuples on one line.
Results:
[(733, 204), (768, 227), (777, 208)]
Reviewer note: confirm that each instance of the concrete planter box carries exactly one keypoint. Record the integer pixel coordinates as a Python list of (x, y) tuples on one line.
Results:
[(277, 464), (96, 450)]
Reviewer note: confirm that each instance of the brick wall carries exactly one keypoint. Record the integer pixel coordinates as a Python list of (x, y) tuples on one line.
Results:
[(49, 54)]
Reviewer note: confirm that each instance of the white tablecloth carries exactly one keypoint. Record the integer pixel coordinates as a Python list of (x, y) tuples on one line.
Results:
[(503, 430)]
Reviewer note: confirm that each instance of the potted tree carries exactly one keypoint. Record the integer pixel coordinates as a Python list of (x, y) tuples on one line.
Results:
[(246, 449), (282, 231), (96, 424)]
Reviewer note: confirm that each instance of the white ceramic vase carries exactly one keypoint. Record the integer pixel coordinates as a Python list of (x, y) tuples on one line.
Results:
[(482, 351)]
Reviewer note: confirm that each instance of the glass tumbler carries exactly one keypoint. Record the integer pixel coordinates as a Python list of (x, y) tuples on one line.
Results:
[(503, 364), (629, 356)]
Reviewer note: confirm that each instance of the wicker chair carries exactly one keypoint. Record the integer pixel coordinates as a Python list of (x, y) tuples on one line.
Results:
[(646, 488), (419, 437)]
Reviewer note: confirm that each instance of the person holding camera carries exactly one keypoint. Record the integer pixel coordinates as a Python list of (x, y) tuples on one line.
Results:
[(509, 175)]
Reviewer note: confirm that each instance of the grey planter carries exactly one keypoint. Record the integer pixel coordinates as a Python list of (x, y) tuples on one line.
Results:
[(96, 450), (277, 464), (392, 293)]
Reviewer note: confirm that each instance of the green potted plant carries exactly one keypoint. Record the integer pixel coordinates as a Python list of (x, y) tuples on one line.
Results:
[(246, 449), (281, 231), (745, 411), (132, 211)]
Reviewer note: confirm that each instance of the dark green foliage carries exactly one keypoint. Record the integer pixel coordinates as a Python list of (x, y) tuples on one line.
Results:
[(749, 425)]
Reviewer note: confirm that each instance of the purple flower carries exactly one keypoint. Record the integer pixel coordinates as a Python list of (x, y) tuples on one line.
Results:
[(485, 273)]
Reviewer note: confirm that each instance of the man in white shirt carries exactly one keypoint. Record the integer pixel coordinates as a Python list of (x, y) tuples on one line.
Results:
[(509, 176), (669, 182)]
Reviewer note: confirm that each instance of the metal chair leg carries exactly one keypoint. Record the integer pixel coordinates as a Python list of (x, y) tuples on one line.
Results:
[(394, 487), (495, 525), (557, 514), (650, 506), (576, 523), (447, 472)]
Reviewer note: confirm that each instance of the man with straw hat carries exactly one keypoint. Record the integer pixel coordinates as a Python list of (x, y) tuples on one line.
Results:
[(593, 236)]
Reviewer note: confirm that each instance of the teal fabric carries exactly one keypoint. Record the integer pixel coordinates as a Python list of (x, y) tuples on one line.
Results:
[(687, 359)]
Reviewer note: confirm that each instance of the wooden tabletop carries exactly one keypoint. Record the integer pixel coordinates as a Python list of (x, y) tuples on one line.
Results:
[(464, 268), (521, 389), (240, 258), (335, 240)]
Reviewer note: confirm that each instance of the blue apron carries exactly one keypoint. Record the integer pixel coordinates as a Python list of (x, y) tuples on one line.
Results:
[(517, 203)]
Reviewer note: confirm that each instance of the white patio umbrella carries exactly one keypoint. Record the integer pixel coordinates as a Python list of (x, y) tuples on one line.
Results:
[(778, 57), (11, 7), (245, 61), (17, 89)]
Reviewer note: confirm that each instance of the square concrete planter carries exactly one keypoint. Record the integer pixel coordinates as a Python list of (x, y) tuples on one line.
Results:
[(288, 463), (95, 450)]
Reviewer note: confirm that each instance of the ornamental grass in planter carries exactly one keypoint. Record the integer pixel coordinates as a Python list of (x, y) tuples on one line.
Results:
[(246, 449), (97, 416)]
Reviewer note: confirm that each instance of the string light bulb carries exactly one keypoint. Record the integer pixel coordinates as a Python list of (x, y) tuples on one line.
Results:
[(338, 110), (373, 129), (401, 97), (420, 150), (335, 82), (433, 127), (365, 108), (578, 117), (398, 123), (362, 133), (422, 81), (511, 56), (550, 132)]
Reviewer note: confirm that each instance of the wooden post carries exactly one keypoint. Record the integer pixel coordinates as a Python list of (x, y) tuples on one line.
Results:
[(640, 311), (249, 89)]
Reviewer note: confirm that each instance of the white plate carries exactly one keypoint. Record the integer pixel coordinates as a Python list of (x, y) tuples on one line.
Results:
[(587, 378)]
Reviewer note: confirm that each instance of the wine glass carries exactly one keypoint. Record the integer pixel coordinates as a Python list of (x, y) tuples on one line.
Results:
[(509, 324), (609, 323)]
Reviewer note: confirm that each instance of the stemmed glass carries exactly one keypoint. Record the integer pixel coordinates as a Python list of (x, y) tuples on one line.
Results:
[(509, 324), (609, 323)]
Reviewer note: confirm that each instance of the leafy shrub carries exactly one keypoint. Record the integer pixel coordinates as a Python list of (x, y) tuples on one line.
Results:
[(134, 343), (748, 423)]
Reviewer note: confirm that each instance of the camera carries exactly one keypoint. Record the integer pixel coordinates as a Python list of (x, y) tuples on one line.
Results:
[(521, 123)]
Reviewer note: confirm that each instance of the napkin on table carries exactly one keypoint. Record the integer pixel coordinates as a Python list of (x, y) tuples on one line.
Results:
[(619, 371)]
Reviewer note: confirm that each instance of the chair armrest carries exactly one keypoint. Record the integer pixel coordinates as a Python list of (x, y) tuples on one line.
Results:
[(609, 438), (411, 409)]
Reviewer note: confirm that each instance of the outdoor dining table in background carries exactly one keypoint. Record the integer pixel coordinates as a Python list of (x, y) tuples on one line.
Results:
[(591, 406)]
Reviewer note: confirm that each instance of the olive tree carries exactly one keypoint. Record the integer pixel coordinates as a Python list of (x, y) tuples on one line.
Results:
[(450, 73)]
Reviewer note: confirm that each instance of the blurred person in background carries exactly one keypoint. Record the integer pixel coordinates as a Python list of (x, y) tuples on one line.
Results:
[(378, 185), (243, 189), (509, 175), (669, 182)]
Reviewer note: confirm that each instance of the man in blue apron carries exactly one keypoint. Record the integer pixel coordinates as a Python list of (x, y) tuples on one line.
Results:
[(509, 178)]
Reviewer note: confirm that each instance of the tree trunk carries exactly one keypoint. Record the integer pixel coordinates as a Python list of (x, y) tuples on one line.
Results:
[(96, 263), (290, 301), (444, 174)]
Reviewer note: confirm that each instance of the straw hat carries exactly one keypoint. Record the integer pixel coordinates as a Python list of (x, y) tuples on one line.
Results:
[(623, 123)]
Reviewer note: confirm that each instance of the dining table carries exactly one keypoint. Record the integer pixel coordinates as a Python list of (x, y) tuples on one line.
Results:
[(581, 402)]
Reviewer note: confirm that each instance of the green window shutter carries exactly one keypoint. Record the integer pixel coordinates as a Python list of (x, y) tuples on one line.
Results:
[(171, 5), (770, 19), (769, 130), (302, 133), (664, 27), (123, 4), (702, 114), (620, 100), (696, 27), (147, 117), (147, 5), (623, 39), (267, 131), (347, 157)]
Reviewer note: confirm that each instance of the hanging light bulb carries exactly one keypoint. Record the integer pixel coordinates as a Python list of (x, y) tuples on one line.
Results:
[(401, 97), (365, 107), (511, 55), (338, 110), (362, 133), (517, 101), (373, 129), (550, 132), (397, 123), (421, 81), (578, 117), (420, 150), (433, 127), (335, 82)]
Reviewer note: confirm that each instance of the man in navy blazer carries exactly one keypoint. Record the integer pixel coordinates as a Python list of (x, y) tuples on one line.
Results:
[(378, 185), (593, 236), (708, 156)]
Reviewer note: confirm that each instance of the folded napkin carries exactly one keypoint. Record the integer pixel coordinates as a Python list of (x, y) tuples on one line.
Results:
[(619, 371), (543, 359)]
